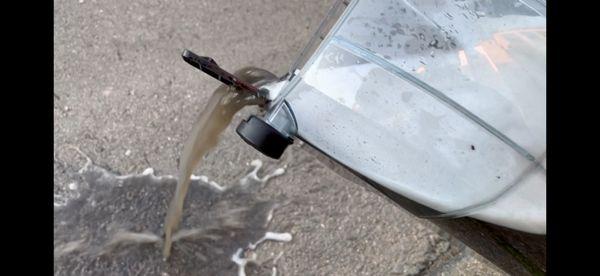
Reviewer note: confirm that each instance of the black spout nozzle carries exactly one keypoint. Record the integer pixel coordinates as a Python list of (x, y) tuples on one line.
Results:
[(263, 137)]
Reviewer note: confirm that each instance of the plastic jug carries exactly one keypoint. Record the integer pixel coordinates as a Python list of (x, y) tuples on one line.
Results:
[(439, 102)]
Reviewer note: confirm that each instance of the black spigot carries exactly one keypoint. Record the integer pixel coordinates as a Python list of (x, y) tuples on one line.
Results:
[(264, 137)]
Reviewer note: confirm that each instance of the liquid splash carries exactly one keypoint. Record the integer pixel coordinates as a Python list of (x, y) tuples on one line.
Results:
[(212, 121), (241, 261), (116, 220)]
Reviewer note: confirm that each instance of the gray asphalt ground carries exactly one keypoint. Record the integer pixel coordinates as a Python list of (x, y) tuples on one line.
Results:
[(126, 99)]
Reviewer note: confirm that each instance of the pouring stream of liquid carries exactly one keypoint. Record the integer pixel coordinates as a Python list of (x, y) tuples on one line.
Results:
[(212, 121)]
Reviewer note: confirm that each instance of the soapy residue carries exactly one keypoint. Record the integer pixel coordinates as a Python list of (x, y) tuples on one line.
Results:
[(271, 236), (101, 237), (241, 262), (252, 177)]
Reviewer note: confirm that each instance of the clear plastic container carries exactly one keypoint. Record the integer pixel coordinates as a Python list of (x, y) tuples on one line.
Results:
[(443, 102)]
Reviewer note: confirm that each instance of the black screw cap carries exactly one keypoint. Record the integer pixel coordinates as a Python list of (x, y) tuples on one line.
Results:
[(263, 137)]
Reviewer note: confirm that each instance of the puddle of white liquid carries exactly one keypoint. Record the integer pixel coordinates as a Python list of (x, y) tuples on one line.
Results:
[(271, 236), (148, 171), (241, 262), (252, 177), (126, 237), (123, 238)]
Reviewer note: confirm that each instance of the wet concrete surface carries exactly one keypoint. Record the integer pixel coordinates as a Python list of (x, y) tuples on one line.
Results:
[(217, 223), (125, 98)]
